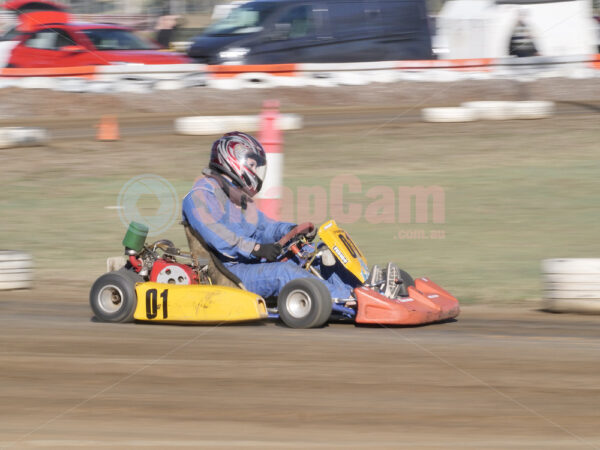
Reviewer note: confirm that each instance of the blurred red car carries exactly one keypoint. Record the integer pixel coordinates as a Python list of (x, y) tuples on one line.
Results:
[(32, 14), (83, 44)]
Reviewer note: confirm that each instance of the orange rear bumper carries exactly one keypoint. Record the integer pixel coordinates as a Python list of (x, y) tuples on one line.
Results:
[(427, 302)]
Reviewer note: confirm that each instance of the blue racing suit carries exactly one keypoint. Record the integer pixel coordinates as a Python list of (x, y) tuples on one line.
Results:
[(233, 231)]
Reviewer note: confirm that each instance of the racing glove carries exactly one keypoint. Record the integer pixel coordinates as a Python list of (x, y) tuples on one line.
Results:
[(268, 251)]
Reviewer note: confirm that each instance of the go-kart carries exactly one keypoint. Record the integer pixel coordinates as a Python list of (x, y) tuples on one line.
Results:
[(156, 285)]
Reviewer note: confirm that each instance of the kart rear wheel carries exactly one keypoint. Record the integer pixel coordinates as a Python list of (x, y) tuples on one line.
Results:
[(113, 297), (304, 303)]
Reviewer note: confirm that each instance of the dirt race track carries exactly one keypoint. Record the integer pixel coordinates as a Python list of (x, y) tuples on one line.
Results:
[(498, 377), (495, 378)]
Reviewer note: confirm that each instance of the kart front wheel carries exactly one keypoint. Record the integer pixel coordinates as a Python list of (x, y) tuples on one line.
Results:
[(304, 303), (113, 297)]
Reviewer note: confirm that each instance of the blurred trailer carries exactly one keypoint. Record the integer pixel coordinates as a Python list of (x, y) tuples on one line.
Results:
[(485, 28)]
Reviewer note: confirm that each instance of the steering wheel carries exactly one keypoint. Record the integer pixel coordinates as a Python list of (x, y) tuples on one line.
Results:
[(295, 238)]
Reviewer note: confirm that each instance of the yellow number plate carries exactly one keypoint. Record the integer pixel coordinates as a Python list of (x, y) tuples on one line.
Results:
[(159, 302)]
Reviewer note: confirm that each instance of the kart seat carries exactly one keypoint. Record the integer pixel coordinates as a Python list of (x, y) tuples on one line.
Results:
[(200, 250)]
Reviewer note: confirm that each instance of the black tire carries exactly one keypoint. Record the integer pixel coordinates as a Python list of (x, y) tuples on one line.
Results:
[(304, 303), (113, 297), (130, 273), (407, 281)]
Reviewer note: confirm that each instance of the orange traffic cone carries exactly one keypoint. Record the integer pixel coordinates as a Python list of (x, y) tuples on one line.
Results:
[(108, 128), (269, 199)]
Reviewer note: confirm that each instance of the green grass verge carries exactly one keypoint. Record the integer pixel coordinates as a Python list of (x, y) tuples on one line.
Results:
[(515, 193)]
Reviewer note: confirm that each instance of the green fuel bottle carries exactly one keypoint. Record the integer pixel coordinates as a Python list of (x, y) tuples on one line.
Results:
[(136, 236)]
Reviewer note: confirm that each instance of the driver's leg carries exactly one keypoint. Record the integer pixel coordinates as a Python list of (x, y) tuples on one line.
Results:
[(267, 279)]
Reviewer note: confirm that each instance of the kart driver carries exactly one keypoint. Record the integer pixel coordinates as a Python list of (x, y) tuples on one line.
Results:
[(220, 208)]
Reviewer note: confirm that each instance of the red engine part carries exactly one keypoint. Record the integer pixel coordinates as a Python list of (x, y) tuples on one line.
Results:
[(135, 263), (427, 302), (172, 273)]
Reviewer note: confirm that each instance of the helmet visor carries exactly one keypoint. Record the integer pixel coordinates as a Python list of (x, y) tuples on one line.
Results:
[(255, 163)]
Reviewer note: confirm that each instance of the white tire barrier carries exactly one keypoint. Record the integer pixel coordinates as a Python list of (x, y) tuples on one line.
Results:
[(208, 125), (193, 79), (353, 74), (557, 289), (572, 278), (351, 79), (17, 275), (71, 84), (532, 109), (16, 270), (99, 87), (384, 76), (572, 285), (8, 83), (479, 76), (14, 265), (572, 305), (259, 80), (319, 80), (168, 85), (288, 122), (571, 266), (491, 110), (507, 110), (14, 285), (214, 125), (292, 81), (22, 137), (450, 114), (441, 76), (226, 84), (37, 83), (580, 73), (134, 86)]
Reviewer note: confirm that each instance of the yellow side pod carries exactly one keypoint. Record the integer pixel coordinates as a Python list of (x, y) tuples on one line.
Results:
[(159, 302)]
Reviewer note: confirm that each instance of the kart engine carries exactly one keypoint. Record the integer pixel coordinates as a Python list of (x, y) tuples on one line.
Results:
[(164, 268)]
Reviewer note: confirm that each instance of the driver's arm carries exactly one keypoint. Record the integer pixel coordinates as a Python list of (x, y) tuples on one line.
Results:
[(271, 230), (204, 213)]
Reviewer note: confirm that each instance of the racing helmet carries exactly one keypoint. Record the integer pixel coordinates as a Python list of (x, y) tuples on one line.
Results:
[(242, 158)]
